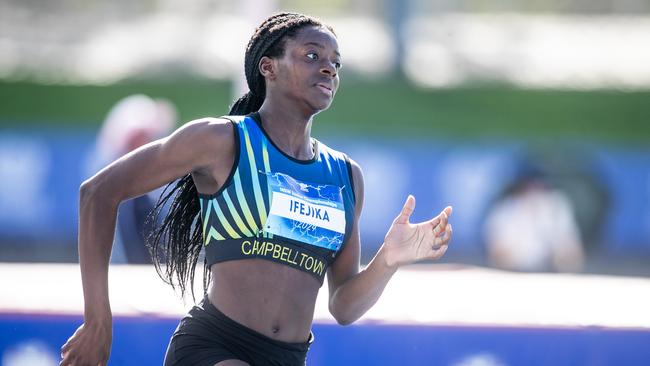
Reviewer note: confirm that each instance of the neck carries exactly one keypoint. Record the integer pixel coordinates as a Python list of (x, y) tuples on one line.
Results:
[(290, 130)]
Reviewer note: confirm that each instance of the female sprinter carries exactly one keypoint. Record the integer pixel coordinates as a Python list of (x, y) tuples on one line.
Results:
[(273, 209)]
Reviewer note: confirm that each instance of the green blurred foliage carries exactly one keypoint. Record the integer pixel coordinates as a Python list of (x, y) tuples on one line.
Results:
[(383, 108)]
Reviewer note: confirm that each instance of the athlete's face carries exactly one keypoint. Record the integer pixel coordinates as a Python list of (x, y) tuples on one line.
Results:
[(308, 70)]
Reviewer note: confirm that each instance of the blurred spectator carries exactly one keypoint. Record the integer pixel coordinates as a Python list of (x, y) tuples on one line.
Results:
[(131, 123), (532, 227)]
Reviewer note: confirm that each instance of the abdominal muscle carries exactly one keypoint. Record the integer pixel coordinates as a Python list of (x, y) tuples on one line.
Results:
[(267, 297)]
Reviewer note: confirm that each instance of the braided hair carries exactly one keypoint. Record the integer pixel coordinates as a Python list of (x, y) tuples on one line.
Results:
[(175, 245)]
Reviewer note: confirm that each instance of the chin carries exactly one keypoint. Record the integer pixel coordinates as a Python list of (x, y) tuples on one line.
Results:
[(319, 106), (326, 103)]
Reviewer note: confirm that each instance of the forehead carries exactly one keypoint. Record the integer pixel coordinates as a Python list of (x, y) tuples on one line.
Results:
[(317, 36)]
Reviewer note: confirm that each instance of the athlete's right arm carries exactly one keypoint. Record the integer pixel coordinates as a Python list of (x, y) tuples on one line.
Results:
[(199, 146)]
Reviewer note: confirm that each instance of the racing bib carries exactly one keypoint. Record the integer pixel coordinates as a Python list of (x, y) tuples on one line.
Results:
[(306, 212)]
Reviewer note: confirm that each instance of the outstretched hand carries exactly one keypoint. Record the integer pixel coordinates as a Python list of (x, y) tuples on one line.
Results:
[(407, 243)]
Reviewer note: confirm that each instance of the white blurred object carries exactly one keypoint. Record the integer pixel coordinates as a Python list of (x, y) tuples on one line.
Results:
[(531, 51), (207, 39), (482, 359), (31, 353), (132, 122), (125, 49), (365, 43), (534, 229), (222, 44)]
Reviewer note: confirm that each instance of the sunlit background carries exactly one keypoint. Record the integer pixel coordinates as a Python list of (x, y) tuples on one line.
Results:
[(531, 118)]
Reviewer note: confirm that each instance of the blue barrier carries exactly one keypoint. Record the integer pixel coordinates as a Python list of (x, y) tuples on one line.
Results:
[(143, 340), (41, 172)]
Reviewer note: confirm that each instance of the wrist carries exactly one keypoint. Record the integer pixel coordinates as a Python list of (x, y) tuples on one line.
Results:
[(98, 317), (387, 260)]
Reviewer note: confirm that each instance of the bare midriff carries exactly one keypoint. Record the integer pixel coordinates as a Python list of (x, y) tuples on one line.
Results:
[(270, 298)]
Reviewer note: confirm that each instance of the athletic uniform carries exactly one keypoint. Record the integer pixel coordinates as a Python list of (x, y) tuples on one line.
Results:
[(295, 212)]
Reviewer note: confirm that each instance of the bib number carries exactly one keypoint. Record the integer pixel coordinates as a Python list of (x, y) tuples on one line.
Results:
[(310, 213)]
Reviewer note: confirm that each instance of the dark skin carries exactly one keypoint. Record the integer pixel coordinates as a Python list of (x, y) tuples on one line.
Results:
[(270, 298)]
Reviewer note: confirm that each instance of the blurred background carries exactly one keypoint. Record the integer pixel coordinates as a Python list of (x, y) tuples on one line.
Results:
[(531, 118), (453, 101)]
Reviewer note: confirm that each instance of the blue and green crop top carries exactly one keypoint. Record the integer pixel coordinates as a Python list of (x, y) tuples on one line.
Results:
[(273, 206)]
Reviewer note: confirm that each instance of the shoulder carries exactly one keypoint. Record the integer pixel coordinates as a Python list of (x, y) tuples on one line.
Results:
[(204, 138), (207, 128)]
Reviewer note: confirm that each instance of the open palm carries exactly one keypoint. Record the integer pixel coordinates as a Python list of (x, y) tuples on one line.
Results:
[(407, 243)]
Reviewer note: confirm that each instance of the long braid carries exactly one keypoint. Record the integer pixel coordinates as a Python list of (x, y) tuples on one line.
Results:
[(176, 244)]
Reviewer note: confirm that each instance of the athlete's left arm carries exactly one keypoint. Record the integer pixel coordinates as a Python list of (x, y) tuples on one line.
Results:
[(351, 292)]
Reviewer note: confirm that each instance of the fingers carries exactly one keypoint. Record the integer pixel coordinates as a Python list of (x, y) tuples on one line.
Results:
[(436, 221), (67, 357), (439, 223), (440, 243), (70, 353), (407, 210), (443, 238), (66, 361), (66, 347)]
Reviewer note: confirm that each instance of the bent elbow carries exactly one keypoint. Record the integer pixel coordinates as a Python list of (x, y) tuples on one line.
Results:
[(92, 192), (340, 316), (86, 191), (344, 321)]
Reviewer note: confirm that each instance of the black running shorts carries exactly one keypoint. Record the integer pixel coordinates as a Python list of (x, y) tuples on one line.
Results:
[(207, 336)]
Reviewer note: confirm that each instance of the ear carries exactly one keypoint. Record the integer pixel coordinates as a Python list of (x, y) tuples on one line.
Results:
[(267, 67)]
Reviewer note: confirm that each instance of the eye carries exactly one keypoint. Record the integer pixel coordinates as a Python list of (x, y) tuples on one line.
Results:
[(313, 56), (337, 65)]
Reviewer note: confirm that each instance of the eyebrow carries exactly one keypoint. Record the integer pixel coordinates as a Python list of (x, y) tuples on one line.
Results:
[(320, 46)]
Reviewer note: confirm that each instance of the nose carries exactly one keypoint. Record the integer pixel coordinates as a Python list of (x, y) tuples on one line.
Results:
[(328, 68)]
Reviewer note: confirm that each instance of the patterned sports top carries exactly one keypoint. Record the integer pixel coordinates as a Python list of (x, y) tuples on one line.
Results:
[(272, 206)]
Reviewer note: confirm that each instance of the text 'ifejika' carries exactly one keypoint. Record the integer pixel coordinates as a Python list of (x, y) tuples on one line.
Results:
[(308, 210)]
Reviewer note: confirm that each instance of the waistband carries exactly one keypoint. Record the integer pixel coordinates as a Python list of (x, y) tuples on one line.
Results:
[(246, 334)]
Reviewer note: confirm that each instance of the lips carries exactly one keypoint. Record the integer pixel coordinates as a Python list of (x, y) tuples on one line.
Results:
[(326, 88)]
